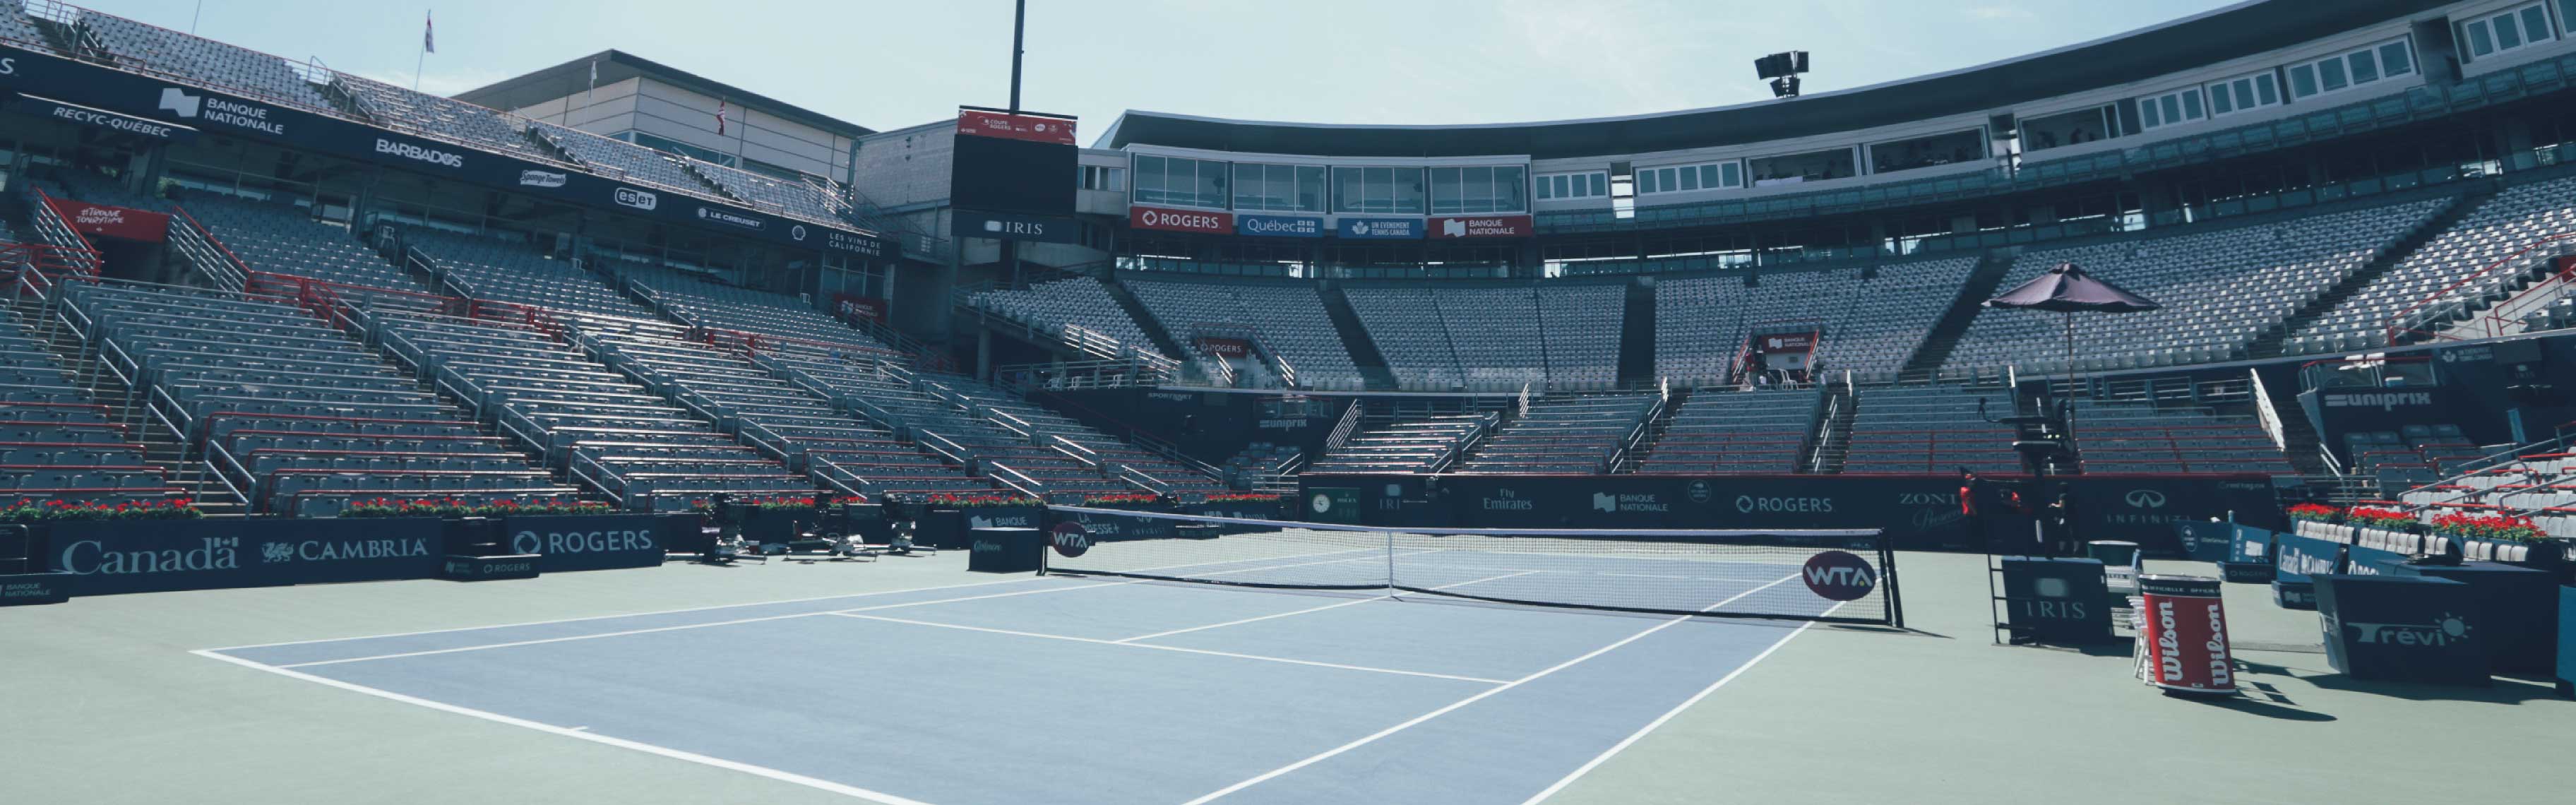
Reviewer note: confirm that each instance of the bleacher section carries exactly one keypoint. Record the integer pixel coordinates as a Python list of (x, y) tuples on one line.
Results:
[(1117, 461), (1073, 301), (610, 432), (279, 238), (1868, 326), (489, 269), (620, 159), (91, 187), (1416, 445), (56, 443), (2130, 437), (2508, 222), (934, 458), (1494, 337), (1735, 433), (2421, 454), (467, 122), (169, 52), (1934, 430), (297, 417), (2538, 485), (1576, 435), (769, 192), (1289, 316), (2221, 290), (1887, 317), (772, 315)]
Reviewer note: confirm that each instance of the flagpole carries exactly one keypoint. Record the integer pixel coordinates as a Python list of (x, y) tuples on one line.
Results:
[(416, 65)]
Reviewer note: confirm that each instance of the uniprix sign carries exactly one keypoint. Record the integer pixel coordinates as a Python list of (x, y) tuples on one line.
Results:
[(1214, 223)]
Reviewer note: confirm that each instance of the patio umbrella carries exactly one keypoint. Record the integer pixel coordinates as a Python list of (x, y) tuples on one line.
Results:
[(2067, 289)]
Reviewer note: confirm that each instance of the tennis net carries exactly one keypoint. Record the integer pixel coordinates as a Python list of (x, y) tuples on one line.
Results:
[(1844, 576)]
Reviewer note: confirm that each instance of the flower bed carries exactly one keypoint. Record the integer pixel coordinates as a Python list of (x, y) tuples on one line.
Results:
[(991, 501), (2315, 512), (455, 507), (28, 510), (2490, 528)]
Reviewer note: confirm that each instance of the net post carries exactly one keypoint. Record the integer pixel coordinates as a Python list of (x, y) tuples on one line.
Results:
[(1887, 568), (1390, 563)]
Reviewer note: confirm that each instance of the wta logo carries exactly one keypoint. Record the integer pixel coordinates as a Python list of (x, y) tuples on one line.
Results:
[(1839, 576), (1070, 540)]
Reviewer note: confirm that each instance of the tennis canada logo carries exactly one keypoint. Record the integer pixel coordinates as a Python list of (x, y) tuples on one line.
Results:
[(1700, 491), (1070, 540), (1839, 576)]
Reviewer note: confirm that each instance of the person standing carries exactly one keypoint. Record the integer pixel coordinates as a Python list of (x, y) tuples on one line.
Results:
[(1974, 526)]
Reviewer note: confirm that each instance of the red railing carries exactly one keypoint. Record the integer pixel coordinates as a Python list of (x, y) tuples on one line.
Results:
[(2397, 323)]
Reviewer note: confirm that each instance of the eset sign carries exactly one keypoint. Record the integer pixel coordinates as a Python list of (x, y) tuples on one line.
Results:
[(1217, 223)]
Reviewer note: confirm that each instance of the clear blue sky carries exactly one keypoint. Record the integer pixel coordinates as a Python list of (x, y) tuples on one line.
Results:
[(890, 64)]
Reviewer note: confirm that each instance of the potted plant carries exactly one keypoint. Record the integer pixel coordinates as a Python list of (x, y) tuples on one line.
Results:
[(2502, 537)]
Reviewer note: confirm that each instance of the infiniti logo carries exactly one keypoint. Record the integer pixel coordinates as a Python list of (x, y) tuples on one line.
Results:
[(2146, 499)]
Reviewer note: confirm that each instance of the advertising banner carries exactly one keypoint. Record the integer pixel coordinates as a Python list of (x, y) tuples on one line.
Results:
[(2183, 634), (1033, 128), (1482, 226), (1279, 226), (1379, 228), (853, 307), (1788, 342), (1225, 347), (112, 557), (154, 100), (1013, 226), (590, 542), (1215, 223), (101, 118), (123, 223)]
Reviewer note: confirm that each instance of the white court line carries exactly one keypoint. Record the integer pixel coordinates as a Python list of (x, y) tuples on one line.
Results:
[(1304, 611), (570, 638), (1417, 720), (582, 733), (650, 613), (1668, 715), (1101, 642)]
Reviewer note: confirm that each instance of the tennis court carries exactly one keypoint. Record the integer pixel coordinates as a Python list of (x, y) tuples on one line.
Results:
[(1116, 689)]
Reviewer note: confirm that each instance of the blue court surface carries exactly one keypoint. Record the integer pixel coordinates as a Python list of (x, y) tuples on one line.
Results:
[(1086, 690)]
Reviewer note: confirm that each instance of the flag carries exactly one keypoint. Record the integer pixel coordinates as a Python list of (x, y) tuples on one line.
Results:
[(428, 33), (720, 117), (594, 74)]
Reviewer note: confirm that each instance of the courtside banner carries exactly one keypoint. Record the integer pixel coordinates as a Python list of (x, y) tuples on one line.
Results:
[(215, 112), (1378, 228), (100, 118), (1214, 223), (588, 542), (1033, 128), (1280, 226), (137, 556), (124, 223)]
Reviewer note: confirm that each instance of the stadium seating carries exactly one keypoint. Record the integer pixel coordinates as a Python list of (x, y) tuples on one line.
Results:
[(91, 187), (782, 196), (2221, 289), (1582, 324), (1408, 445), (251, 377), (774, 315), (281, 239), (1071, 302), (1404, 321), (1735, 433), (16, 27), (491, 269), (1289, 317), (172, 53), (2131, 437), (1562, 434), (403, 108), (2500, 226), (1494, 337), (1886, 318), (56, 443), (620, 159), (1935, 430), (1114, 458), (2420, 454), (1699, 328), (607, 430)]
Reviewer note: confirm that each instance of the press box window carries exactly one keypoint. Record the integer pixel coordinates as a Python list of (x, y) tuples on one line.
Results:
[(2352, 68), (2515, 28), (1559, 186), (1680, 178), (2171, 108), (2239, 94)]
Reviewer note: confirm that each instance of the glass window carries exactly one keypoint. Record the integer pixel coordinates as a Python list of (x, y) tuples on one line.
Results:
[(1149, 179), (1732, 173), (1247, 188), (2395, 61), (2507, 35), (2480, 43), (1601, 184), (2535, 23), (2147, 116), (2567, 15), (1211, 184), (2303, 81), (2172, 107), (1310, 188), (2330, 74), (1511, 188), (1405, 192), (2264, 90), (1347, 184), (1690, 178), (2365, 67), (2191, 105), (1444, 191), (2219, 101), (1646, 182)]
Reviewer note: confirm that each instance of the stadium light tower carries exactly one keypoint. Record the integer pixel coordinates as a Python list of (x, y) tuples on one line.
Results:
[(1782, 70)]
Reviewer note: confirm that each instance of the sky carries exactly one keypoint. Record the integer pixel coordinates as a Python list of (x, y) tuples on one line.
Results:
[(887, 64)]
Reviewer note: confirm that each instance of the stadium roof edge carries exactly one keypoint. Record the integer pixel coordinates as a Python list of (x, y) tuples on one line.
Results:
[(572, 77), (2242, 29)]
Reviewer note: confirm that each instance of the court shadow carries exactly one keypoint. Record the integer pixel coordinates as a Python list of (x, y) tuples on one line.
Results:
[(2500, 691), (2250, 705)]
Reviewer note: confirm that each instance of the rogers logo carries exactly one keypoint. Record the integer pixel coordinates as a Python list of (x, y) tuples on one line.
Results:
[(1179, 220), (638, 199)]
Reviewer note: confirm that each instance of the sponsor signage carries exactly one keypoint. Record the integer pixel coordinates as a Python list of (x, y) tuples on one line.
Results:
[(564, 543), (2184, 635), (1279, 226), (1379, 228), (148, 100), (22, 589), (1211, 222), (2057, 601), (1069, 539), (1333, 504), (488, 568), (1838, 576), (124, 223), (103, 119), (1033, 128), (1225, 347), (1007, 550), (1013, 226), (2382, 400), (2404, 629), (139, 556), (1788, 342), (1482, 226), (853, 307)]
